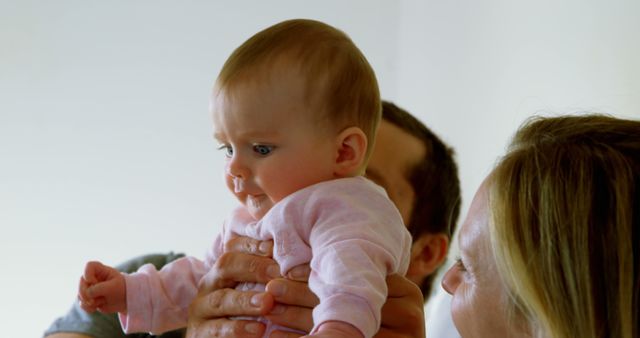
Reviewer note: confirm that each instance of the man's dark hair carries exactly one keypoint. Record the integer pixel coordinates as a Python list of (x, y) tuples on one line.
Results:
[(434, 180)]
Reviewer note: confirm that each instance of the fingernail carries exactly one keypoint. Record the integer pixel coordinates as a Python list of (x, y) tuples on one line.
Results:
[(273, 271), (264, 247), (277, 289), (252, 327), (257, 299), (299, 272)]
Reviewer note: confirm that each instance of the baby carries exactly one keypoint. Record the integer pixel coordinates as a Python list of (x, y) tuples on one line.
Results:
[(295, 110)]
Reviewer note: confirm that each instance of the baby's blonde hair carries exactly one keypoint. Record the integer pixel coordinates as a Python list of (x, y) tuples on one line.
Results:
[(336, 73), (566, 226)]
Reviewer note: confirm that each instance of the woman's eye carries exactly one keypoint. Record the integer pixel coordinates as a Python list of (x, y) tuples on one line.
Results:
[(262, 149), (460, 265), (228, 150)]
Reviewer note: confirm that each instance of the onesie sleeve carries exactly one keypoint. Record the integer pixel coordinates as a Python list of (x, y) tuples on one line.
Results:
[(98, 324), (158, 300), (358, 238)]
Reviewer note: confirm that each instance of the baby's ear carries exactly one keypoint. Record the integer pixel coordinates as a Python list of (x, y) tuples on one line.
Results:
[(352, 147)]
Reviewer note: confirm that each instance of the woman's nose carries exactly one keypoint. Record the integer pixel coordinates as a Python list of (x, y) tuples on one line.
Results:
[(451, 280)]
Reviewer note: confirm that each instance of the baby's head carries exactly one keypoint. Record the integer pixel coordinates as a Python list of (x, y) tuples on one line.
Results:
[(294, 105), (339, 86)]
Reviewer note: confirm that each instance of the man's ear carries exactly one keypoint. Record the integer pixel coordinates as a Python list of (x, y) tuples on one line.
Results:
[(428, 252), (351, 146)]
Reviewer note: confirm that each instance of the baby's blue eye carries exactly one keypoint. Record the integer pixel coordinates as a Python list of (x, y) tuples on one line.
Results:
[(262, 149), (228, 150)]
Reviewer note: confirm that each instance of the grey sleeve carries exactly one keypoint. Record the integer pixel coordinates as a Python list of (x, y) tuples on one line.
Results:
[(101, 325)]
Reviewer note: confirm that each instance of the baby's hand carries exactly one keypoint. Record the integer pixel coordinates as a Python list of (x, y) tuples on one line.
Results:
[(335, 329), (102, 288)]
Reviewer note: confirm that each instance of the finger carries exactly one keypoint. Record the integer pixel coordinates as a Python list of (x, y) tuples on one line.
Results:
[(223, 327), (300, 273), (105, 272), (102, 289), (83, 297), (82, 288), (249, 245), (232, 268), (292, 293), (400, 286), (398, 313), (102, 306), (284, 334), (87, 305), (90, 271), (299, 318), (403, 312), (386, 333), (231, 302), (85, 302), (87, 308)]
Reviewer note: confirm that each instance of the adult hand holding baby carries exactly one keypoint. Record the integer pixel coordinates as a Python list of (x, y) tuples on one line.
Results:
[(249, 260), (286, 302)]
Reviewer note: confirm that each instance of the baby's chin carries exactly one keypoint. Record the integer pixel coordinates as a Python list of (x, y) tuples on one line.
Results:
[(258, 206)]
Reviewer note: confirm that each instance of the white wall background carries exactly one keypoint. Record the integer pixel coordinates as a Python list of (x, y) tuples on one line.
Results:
[(105, 146)]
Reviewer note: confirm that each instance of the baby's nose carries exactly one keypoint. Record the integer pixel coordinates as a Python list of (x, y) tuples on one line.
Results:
[(237, 168)]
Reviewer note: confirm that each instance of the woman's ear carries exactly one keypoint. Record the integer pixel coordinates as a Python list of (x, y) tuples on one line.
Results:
[(351, 149)]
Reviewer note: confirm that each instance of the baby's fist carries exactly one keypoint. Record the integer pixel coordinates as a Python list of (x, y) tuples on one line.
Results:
[(102, 288)]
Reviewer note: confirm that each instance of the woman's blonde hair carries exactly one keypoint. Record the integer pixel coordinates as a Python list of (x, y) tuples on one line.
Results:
[(566, 226)]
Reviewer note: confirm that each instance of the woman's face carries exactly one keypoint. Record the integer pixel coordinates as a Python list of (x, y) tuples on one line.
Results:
[(479, 298)]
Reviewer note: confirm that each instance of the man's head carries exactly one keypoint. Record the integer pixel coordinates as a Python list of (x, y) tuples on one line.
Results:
[(339, 87), (421, 177)]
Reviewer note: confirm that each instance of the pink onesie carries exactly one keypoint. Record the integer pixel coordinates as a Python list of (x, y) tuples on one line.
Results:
[(349, 231)]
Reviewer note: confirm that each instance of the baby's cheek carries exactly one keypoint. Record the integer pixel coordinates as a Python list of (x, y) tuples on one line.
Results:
[(229, 182)]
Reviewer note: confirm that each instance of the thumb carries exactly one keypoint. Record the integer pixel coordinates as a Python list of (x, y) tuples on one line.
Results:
[(108, 288)]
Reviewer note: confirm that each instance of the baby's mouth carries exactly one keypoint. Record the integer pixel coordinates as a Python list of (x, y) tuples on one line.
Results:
[(255, 200)]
